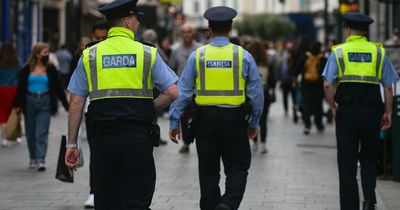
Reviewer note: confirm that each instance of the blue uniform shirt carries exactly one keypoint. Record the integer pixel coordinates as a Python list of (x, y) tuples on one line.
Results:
[(186, 86), (162, 76), (389, 74)]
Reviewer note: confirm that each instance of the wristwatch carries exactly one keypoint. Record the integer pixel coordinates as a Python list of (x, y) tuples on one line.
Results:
[(71, 146)]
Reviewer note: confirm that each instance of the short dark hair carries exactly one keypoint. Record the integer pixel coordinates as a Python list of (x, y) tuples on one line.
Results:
[(221, 27), (102, 25)]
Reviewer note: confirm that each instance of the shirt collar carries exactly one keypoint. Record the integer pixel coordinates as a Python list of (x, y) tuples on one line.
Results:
[(219, 41), (121, 31), (355, 37)]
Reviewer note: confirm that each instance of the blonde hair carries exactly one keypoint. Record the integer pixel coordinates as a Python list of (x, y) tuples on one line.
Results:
[(37, 48)]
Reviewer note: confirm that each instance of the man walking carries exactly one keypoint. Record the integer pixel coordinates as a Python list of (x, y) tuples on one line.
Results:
[(221, 75), (359, 67), (179, 57), (118, 74)]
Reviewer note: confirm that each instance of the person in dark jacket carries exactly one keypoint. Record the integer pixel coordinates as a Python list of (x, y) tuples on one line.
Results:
[(38, 90), (310, 66)]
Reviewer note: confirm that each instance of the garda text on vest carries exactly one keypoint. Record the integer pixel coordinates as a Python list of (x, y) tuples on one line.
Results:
[(119, 61)]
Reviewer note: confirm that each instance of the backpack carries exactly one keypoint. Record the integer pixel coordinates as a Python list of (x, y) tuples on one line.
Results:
[(312, 66)]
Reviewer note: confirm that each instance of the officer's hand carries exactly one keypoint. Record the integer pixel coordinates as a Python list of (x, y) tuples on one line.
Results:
[(386, 121), (72, 157), (175, 135), (252, 132)]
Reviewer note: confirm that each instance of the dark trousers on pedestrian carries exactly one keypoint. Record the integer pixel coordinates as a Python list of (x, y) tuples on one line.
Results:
[(312, 106), (357, 131), (287, 88), (123, 165), (264, 118), (221, 133)]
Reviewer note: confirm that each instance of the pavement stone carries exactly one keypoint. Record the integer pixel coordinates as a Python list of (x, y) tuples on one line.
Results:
[(299, 172)]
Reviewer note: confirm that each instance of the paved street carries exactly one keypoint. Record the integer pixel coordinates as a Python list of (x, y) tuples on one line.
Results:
[(299, 172)]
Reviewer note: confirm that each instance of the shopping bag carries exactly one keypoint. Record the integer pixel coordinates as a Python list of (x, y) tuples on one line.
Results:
[(12, 130), (63, 172)]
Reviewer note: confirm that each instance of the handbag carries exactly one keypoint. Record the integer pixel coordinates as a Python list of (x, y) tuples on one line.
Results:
[(12, 129), (63, 172)]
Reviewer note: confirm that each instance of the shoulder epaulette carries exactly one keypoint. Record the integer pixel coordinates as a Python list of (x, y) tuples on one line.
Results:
[(378, 44), (337, 45), (148, 44), (92, 44)]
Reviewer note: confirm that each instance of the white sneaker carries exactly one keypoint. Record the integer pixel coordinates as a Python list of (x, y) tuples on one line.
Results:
[(263, 148), (33, 164), (89, 203), (41, 167), (5, 143)]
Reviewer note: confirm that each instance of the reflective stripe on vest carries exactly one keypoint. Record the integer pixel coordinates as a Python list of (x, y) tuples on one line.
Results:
[(358, 62), (234, 96), (97, 93)]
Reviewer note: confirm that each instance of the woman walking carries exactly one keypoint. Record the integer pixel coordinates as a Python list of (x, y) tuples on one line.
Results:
[(258, 51), (38, 90)]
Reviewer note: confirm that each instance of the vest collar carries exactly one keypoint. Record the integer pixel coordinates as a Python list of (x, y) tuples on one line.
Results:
[(121, 31), (219, 41), (356, 38)]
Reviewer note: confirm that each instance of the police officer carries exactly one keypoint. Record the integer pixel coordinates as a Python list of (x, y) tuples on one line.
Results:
[(359, 67), (220, 75), (119, 74)]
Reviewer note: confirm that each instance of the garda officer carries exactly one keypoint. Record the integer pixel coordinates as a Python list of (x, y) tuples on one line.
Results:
[(220, 75), (118, 74), (359, 67)]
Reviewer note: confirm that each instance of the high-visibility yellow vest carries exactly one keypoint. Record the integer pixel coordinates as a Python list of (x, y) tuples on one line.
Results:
[(119, 67), (359, 60), (219, 75)]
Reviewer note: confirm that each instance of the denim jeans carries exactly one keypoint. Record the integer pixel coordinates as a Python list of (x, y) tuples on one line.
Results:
[(37, 122)]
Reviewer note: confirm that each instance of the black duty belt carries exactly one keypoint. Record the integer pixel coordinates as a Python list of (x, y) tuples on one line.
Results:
[(39, 95), (220, 111)]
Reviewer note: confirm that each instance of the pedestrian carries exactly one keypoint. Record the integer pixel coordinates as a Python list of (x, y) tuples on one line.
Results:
[(359, 67), (150, 37), (220, 75), (99, 33), (166, 44), (310, 67), (119, 74), (177, 62), (38, 90), (9, 69), (81, 45), (64, 59), (283, 71), (259, 53)]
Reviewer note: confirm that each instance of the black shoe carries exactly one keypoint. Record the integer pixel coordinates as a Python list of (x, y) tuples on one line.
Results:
[(184, 149), (163, 142), (369, 205), (222, 206), (306, 131), (295, 117)]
